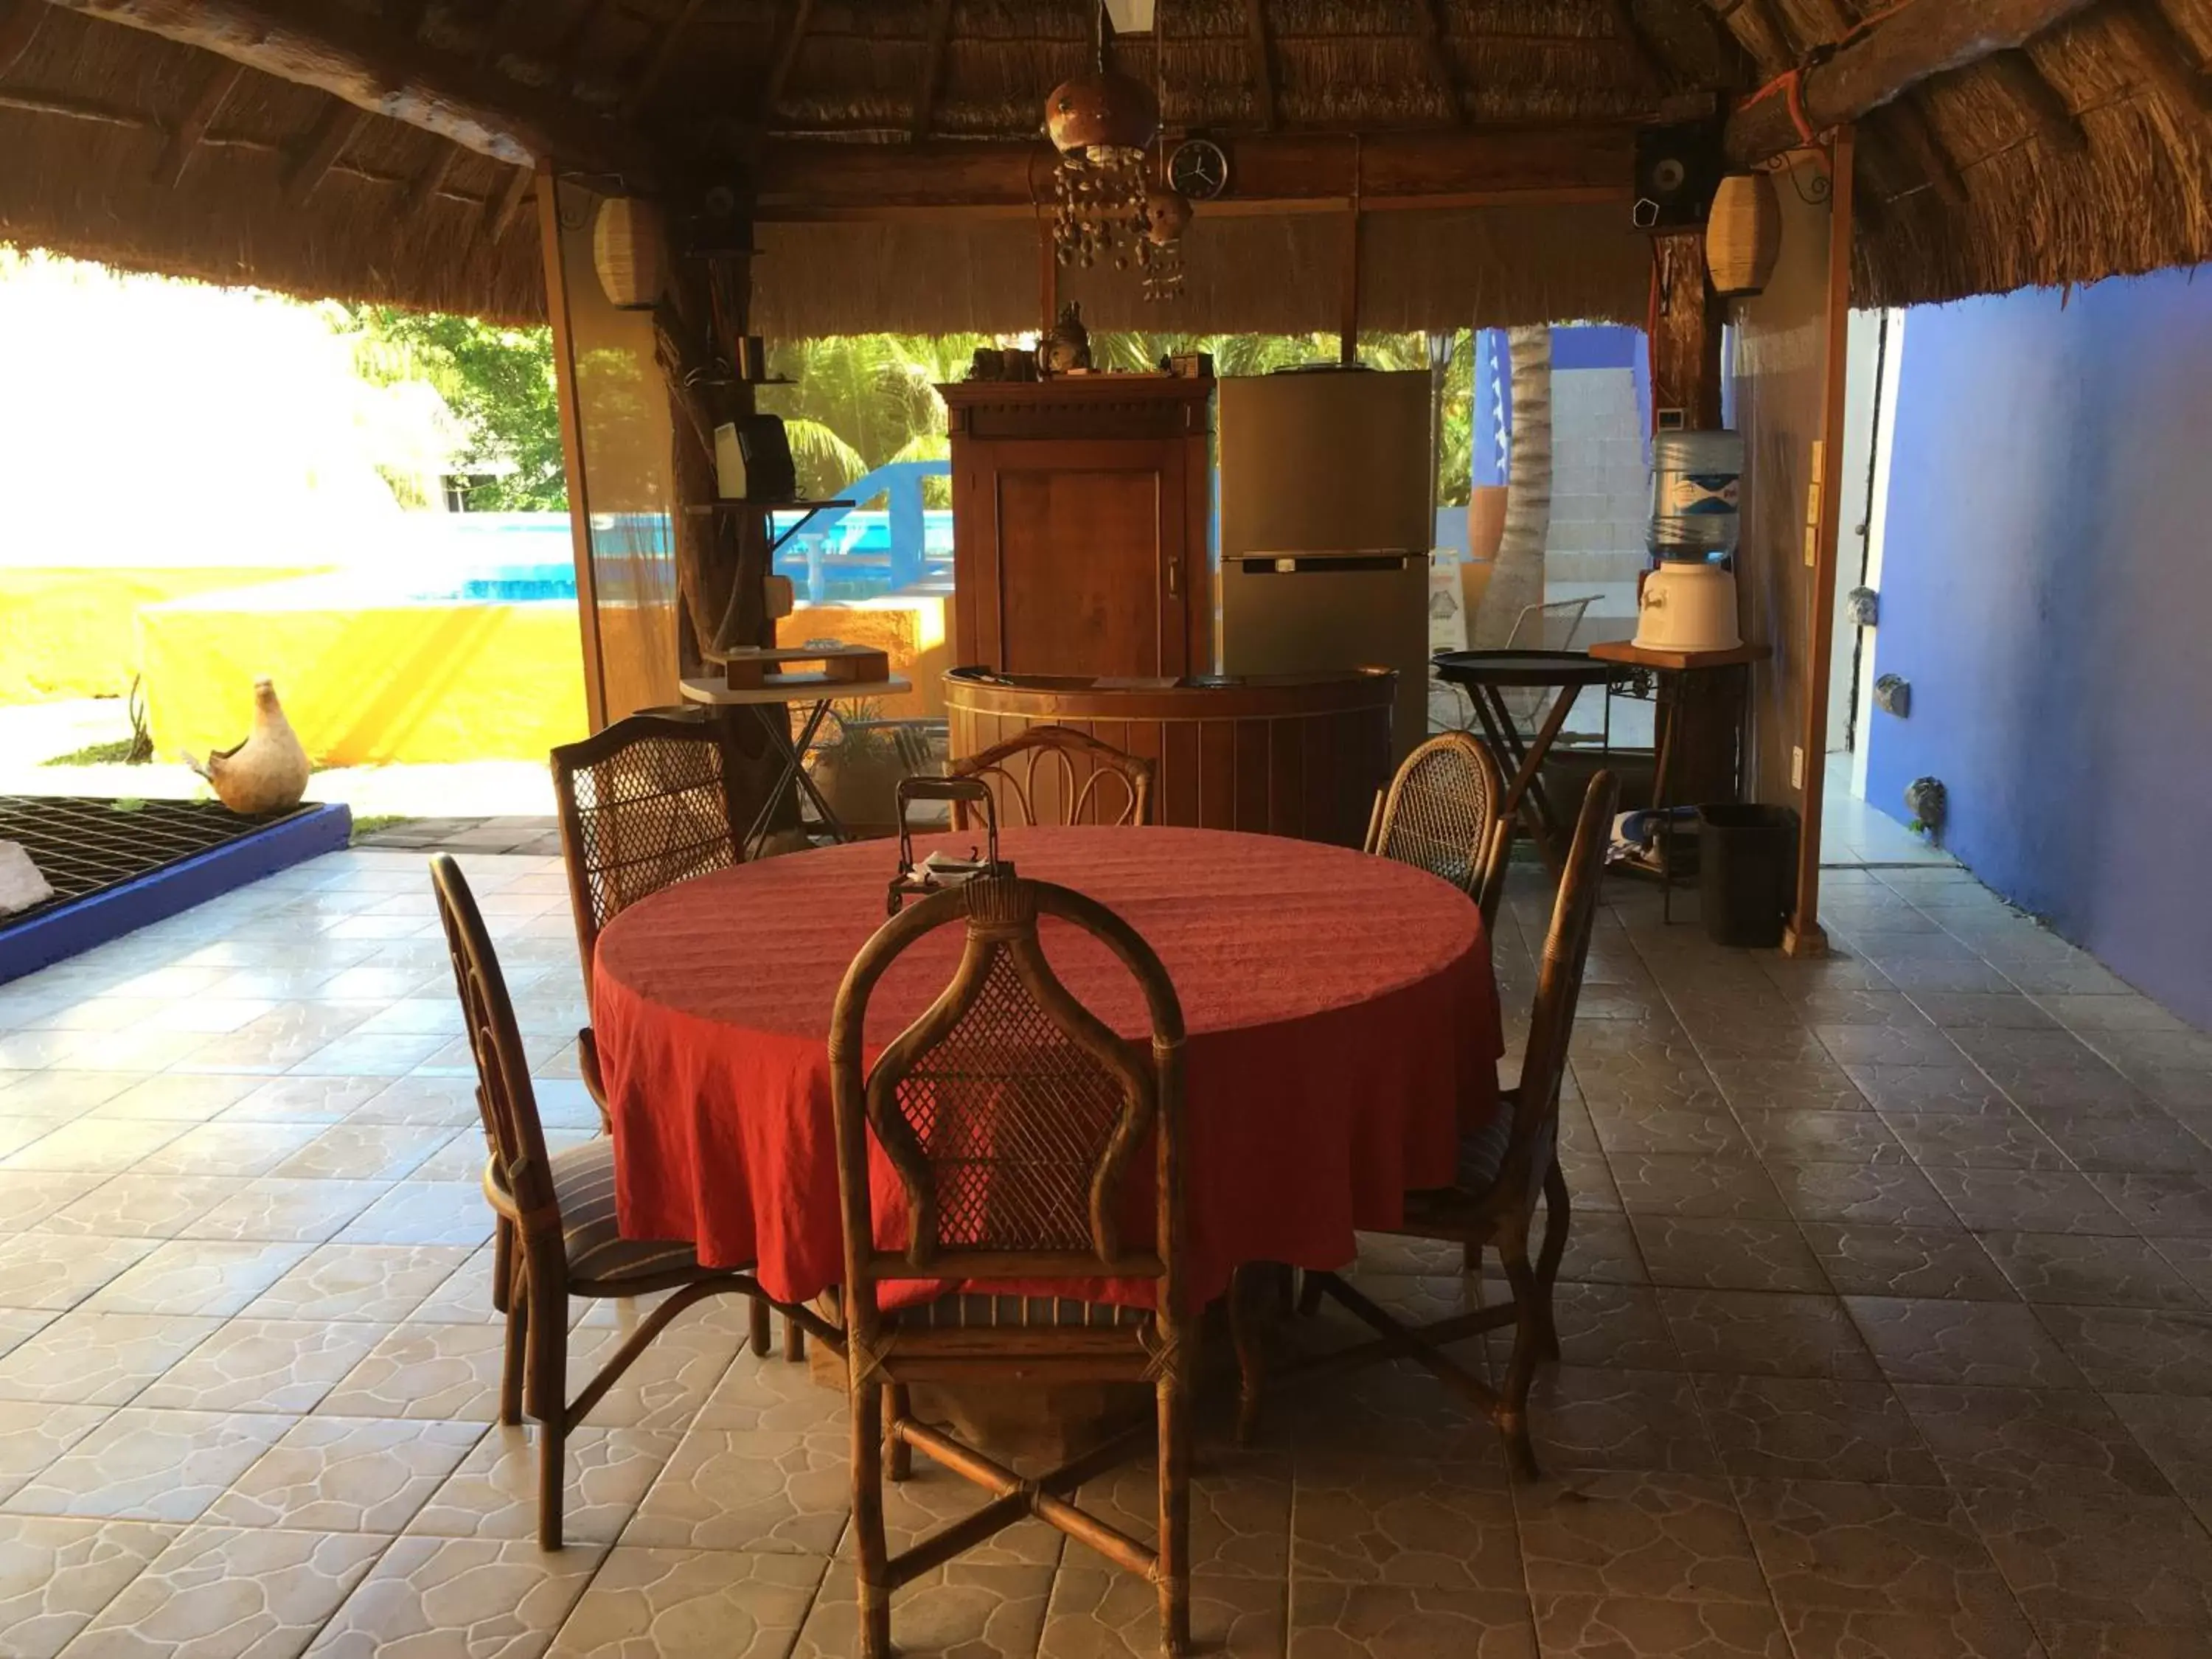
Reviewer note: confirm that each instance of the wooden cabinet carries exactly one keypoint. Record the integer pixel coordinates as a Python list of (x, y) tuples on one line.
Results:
[(1078, 526)]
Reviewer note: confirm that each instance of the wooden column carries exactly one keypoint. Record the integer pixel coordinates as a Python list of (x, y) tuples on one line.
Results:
[(1685, 336), (722, 556), (572, 447), (1805, 936), (1685, 390)]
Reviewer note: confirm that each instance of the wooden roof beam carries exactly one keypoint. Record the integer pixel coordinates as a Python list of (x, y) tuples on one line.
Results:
[(786, 59), (1262, 46), (19, 26), (1437, 42), (663, 54), (340, 125), (1917, 135), (370, 65), (1754, 27), (505, 206), (207, 103), (1926, 39), (2161, 54), (2059, 127), (426, 184), (805, 179), (1630, 29), (932, 67)]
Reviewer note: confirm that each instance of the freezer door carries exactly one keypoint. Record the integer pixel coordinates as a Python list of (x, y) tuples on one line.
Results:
[(1287, 614), (1325, 462)]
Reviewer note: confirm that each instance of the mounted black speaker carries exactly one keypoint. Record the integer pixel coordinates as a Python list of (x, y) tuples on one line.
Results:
[(1678, 170)]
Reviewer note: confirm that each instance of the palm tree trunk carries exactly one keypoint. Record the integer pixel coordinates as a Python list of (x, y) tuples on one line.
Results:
[(1518, 580)]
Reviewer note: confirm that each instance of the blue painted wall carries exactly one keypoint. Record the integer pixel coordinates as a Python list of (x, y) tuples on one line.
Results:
[(2047, 589)]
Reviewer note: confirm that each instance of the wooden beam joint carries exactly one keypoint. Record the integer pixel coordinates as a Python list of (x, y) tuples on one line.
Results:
[(1874, 67), (184, 141)]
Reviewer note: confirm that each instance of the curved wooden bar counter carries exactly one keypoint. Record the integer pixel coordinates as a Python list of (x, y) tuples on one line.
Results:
[(1292, 754)]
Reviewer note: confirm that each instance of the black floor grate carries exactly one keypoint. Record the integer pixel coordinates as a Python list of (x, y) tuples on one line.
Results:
[(83, 845)]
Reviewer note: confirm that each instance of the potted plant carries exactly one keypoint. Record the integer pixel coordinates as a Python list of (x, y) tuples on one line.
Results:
[(858, 766)]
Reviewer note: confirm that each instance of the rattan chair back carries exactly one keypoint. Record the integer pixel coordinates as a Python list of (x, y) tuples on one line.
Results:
[(1012, 1115), (519, 1178), (1058, 775), (1559, 978), (644, 805), (1441, 814)]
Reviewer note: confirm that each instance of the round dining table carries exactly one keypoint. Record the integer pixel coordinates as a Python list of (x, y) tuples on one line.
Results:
[(1342, 1030)]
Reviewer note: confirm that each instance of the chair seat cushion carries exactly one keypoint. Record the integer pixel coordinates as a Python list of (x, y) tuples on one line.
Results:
[(584, 1182)]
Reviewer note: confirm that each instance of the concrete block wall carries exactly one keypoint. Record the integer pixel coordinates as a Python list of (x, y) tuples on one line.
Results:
[(1601, 491)]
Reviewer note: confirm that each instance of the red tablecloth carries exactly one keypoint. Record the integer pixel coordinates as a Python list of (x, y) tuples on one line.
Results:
[(1342, 1027)]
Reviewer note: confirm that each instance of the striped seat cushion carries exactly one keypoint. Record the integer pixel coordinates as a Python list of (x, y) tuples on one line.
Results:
[(1482, 1151), (584, 1182), (974, 1310)]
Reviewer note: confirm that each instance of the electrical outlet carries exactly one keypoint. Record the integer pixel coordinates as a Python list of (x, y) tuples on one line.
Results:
[(1797, 768)]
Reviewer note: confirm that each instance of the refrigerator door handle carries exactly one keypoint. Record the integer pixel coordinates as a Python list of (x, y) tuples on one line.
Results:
[(1174, 576)]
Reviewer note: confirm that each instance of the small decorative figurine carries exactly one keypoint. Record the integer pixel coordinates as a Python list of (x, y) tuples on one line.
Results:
[(1067, 349), (268, 772)]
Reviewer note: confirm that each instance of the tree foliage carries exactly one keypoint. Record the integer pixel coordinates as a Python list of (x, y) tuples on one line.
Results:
[(499, 384), (859, 401)]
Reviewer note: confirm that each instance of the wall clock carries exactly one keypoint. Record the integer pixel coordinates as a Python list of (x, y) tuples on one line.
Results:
[(1199, 169)]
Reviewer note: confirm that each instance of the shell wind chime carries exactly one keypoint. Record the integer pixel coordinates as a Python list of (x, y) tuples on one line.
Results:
[(1106, 205)]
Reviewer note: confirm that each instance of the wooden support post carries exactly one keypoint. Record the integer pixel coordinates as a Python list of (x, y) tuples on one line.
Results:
[(572, 449), (1805, 937), (1685, 344)]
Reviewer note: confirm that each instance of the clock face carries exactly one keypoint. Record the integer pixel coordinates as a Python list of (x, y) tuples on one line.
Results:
[(1199, 169)]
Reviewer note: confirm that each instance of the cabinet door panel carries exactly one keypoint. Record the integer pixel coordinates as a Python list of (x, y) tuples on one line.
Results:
[(1079, 560)]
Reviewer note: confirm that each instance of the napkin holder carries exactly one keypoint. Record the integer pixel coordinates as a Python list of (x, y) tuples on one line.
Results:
[(918, 877)]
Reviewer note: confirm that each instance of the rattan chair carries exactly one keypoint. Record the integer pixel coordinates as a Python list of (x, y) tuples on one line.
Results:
[(1504, 1168), (558, 1236), (1014, 1122), (1074, 764), (645, 804), (1440, 813)]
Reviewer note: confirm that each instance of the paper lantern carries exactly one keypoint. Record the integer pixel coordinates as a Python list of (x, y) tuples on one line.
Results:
[(1743, 237), (627, 249)]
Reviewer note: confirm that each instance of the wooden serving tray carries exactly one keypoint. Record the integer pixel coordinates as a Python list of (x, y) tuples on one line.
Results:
[(794, 667)]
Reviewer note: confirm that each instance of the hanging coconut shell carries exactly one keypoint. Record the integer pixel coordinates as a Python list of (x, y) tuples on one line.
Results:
[(1167, 216), (1743, 236), (1102, 110)]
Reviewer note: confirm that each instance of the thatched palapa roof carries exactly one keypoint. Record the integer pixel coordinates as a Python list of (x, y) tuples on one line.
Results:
[(378, 148)]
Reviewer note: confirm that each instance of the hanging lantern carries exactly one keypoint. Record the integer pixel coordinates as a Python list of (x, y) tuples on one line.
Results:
[(627, 249), (1743, 237)]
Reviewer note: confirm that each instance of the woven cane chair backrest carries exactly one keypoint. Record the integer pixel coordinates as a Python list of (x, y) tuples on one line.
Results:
[(505, 1100), (1566, 955), (1012, 1115), (1440, 810), (644, 805), (1057, 775)]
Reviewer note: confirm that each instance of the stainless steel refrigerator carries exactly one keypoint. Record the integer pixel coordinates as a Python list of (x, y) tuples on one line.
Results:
[(1328, 482)]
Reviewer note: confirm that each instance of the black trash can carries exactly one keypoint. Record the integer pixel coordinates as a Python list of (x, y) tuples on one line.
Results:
[(1747, 872)]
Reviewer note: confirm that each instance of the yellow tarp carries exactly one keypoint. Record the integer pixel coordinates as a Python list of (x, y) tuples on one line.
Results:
[(369, 686), (67, 632)]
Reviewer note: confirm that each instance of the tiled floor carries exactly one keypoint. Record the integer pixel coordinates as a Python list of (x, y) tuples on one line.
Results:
[(1888, 1332)]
